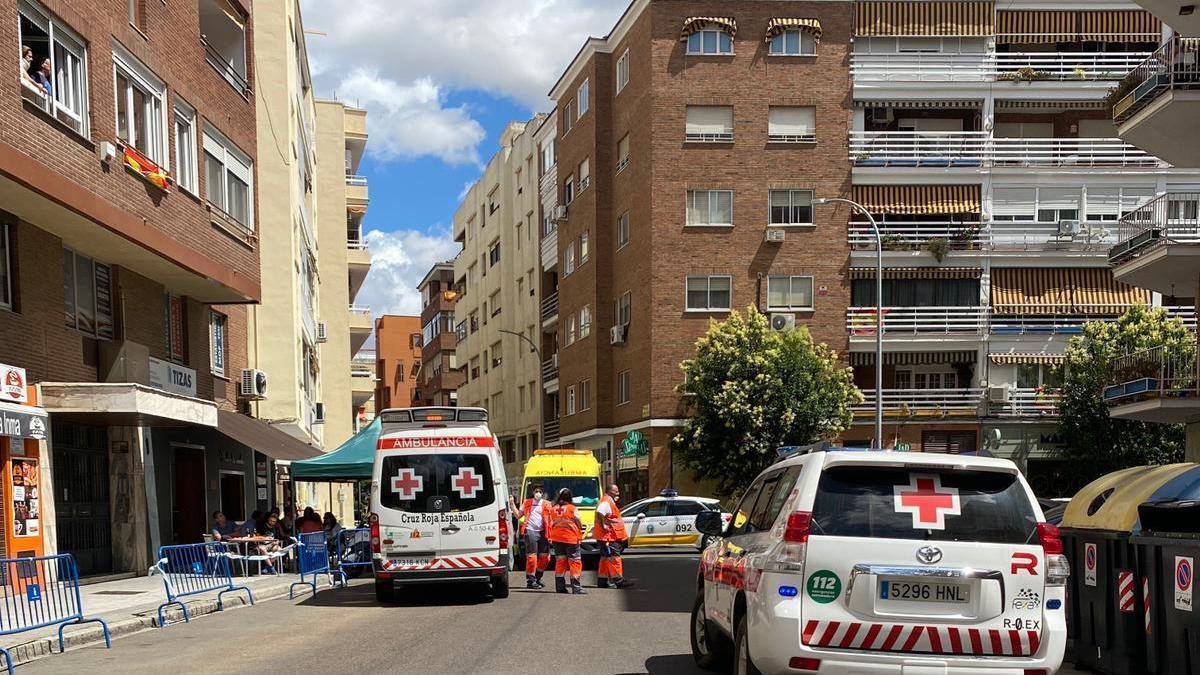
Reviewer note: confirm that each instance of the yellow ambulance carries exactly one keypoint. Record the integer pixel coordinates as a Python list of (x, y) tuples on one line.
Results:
[(577, 470)]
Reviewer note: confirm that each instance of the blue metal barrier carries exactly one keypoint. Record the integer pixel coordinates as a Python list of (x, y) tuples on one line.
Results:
[(312, 558), (40, 592), (353, 552), (191, 569)]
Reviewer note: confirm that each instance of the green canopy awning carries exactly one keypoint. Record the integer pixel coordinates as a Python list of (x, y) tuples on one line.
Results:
[(351, 461)]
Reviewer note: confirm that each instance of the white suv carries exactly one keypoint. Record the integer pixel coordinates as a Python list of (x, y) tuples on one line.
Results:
[(883, 562)]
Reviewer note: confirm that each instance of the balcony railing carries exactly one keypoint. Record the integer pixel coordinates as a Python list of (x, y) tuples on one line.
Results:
[(913, 236), (1068, 152), (550, 432), (1185, 313), (861, 321), (1028, 66), (227, 70), (927, 403), (1171, 218), (1026, 235), (550, 307), (550, 249), (922, 67), (550, 368), (362, 370), (1158, 372), (1027, 402), (548, 183), (1053, 324), (1174, 65), (918, 148), (356, 181)]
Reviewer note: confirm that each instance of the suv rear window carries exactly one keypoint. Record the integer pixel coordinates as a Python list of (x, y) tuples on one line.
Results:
[(858, 501), (436, 483)]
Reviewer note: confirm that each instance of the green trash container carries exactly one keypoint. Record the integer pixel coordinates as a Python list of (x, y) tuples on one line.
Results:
[(1104, 603), (1168, 548)]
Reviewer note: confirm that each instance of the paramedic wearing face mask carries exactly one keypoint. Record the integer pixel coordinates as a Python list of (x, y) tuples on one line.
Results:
[(533, 531)]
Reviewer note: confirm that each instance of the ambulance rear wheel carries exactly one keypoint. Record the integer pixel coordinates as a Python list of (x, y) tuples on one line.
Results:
[(385, 590), (500, 587)]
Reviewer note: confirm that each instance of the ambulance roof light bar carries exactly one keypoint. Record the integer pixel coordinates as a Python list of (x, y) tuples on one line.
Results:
[(434, 417), (550, 452)]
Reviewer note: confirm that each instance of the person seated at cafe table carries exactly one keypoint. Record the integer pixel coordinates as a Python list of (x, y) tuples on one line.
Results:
[(249, 526), (266, 528), (309, 522), (222, 528)]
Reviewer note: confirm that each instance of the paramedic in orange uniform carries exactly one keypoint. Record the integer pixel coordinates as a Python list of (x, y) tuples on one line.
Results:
[(610, 533), (533, 532), (565, 532)]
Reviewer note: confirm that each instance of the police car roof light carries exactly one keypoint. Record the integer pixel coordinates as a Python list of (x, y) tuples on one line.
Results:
[(668, 492)]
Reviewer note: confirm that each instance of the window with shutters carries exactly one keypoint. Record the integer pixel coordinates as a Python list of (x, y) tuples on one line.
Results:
[(585, 395), (622, 71), (571, 400), (141, 111), (584, 249), (624, 308), (710, 208), (791, 207), (711, 40), (569, 260), (64, 94), (792, 124), (185, 146), (790, 293), (568, 116), (950, 442), (793, 42), (623, 153), (709, 294), (87, 295), (709, 124), (584, 98), (622, 230), (585, 321), (228, 179), (623, 387), (585, 175)]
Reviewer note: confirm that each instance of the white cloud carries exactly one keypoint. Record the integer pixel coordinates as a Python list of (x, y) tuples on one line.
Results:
[(515, 48), (398, 262)]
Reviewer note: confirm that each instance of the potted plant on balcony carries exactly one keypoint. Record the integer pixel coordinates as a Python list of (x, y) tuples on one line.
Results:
[(965, 238), (1080, 74), (891, 241), (939, 247)]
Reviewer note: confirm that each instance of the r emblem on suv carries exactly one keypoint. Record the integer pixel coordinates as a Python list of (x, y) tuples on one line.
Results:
[(929, 555)]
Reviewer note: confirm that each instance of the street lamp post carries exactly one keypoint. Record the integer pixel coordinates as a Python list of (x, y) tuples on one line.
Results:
[(541, 389), (878, 311)]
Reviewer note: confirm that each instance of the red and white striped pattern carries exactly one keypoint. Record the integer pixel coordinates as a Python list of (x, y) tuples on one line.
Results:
[(921, 639), (453, 562), (1125, 592), (1146, 602)]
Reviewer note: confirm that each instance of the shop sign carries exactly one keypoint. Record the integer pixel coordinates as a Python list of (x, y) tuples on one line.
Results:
[(20, 424), (635, 445), (12, 384), (25, 498), (172, 377)]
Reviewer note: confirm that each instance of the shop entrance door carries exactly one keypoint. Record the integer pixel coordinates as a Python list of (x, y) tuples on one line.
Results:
[(81, 496), (187, 514), (233, 495)]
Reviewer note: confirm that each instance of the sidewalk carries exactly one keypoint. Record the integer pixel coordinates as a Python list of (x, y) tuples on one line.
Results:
[(130, 606)]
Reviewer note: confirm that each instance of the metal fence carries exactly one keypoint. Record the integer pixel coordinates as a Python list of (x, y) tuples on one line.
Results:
[(1157, 372), (39, 592), (1170, 218), (1175, 65), (312, 560), (353, 549), (192, 569)]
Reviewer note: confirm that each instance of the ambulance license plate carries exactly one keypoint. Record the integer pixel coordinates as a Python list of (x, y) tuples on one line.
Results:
[(412, 561), (923, 591)]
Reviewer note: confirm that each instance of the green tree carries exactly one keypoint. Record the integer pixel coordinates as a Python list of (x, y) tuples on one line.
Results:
[(753, 389), (1094, 442)]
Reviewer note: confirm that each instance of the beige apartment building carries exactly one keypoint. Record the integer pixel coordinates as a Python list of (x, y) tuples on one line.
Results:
[(303, 334), (497, 307)]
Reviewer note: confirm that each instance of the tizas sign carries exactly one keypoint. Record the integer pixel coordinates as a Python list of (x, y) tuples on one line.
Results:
[(456, 442)]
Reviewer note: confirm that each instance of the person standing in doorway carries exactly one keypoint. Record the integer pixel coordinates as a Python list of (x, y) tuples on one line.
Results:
[(565, 532), (610, 534), (533, 532)]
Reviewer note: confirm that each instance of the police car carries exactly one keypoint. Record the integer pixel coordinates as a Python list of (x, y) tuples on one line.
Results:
[(438, 501), (882, 562), (667, 520)]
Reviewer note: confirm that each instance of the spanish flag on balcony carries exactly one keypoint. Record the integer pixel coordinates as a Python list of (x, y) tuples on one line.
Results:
[(147, 169)]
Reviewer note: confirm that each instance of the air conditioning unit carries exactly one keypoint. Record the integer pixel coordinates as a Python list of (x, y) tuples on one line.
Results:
[(253, 384), (998, 393), (616, 335), (1068, 228), (775, 235), (318, 415), (560, 212), (322, 332), (782, 322)]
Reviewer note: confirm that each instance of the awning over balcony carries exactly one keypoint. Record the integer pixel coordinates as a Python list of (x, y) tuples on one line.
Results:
[(1073, 291), (694, 24), (918, 272), (779, 25), (1013, 359), (913, 104), (912, 358), (1042, 27), (918, 199), (925, 18)]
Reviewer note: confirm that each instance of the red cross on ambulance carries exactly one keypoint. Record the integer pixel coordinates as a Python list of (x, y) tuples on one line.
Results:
[(407, 484), (466, 483), (927, 501)]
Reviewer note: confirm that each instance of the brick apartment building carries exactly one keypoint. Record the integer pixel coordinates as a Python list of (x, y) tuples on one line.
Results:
[(123, 298), (397, 360), (439, 379), (680, 137)]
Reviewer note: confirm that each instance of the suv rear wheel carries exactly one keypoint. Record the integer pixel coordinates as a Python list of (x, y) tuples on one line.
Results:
[(742, 665), (710, 649), (385, 590)]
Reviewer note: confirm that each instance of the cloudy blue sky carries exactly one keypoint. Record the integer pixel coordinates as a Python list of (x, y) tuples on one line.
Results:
[(440, 79)]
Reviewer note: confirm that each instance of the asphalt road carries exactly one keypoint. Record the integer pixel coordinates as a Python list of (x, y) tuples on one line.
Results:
[(433, 630)]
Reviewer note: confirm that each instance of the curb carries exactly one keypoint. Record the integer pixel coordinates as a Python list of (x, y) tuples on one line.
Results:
[(92, 634)]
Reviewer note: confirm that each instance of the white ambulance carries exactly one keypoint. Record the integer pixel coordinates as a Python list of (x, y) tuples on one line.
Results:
[(438, 501), (883, 562)]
